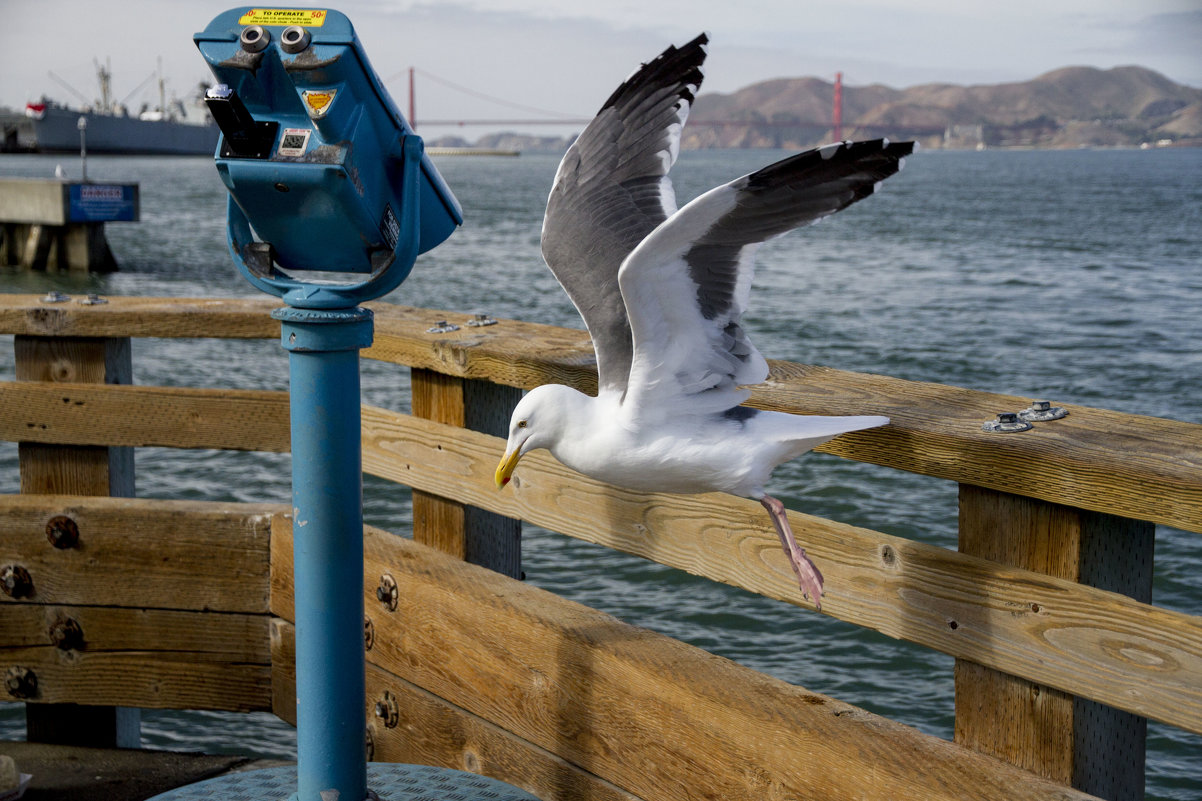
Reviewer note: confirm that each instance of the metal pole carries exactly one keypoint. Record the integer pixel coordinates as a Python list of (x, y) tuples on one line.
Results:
[(82, 125), (327, 499)]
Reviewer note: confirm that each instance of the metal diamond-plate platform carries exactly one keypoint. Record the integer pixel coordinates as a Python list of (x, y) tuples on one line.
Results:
[(391, 782)]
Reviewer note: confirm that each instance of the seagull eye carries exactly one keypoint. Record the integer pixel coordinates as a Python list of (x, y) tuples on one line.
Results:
[(521, 423)]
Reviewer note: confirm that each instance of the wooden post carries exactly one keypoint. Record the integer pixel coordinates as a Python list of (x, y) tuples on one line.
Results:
[(471, 534), (1077, 742), (77, 470)]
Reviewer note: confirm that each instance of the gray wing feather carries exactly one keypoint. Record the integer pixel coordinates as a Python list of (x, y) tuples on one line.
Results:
[(695, 270), (612, 189)]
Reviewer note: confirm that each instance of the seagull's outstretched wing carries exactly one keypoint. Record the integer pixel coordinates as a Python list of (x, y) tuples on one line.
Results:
[(612, 189), (686, 285)]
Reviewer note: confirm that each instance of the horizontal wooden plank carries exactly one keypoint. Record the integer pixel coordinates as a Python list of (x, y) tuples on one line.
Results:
[(121, 415), (1145, 468), (431, 731), (1092, 643), (233, 318), (136, 552), (1138, 467), (162, 659), (655, 717)]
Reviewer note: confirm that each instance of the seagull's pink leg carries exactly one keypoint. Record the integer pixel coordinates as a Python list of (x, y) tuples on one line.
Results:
[(808, 577)]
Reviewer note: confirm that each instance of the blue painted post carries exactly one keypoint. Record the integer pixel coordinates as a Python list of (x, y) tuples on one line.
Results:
[(327, 499)]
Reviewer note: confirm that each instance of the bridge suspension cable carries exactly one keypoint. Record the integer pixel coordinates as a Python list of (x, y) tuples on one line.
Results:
[(554, 117)]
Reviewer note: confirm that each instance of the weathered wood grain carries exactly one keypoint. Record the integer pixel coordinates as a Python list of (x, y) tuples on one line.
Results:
[(177, 417), (77, 470), (466, 532), (655, 717), (141, 657), (1092, 747), (431, 731), (1090, 642), (141, 553), (83, 469), (234, 318)]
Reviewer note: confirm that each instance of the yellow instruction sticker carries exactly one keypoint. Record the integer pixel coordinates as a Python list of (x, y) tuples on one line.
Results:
[(317, 102), (307, 17)]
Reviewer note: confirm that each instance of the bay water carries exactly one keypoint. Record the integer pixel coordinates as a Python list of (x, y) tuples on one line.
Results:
[(1073, 276)]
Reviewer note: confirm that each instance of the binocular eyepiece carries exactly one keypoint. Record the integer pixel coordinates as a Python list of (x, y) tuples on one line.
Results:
[(255, 38)]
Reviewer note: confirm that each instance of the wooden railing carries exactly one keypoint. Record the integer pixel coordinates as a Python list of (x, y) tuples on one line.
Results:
[(1060, 657)]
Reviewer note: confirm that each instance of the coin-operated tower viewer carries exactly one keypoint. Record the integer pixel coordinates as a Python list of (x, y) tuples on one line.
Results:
[(331, 199)]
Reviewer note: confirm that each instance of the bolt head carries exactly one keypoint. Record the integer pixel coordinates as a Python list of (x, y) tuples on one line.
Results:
[(16, 581), (62, 532), (21, 682)]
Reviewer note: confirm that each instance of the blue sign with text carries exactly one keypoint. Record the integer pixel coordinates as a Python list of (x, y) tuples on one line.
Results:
[(102, 202)]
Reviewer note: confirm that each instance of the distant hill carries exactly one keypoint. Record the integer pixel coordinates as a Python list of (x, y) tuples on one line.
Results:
[(1065, 108)]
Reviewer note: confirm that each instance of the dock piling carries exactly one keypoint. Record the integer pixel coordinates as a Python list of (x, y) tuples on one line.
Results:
[(52, 224)]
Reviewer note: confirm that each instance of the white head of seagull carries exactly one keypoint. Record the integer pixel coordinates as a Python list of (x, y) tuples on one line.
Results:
[(662, 292)]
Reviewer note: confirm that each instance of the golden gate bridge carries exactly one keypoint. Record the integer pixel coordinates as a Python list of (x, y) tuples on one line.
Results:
[(834, 124)]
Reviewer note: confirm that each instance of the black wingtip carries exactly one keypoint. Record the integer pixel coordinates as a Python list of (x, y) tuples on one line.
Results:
[(874, 160), (676, 65)]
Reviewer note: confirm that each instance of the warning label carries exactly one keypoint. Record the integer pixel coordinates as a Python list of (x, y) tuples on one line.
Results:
[(318, 102), (389, 227), (307, 17)]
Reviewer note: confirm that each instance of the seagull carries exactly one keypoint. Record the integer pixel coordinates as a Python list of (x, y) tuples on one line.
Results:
[(662, 292)]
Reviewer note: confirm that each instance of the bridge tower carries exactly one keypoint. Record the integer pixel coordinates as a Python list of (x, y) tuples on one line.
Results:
[(836, 112)]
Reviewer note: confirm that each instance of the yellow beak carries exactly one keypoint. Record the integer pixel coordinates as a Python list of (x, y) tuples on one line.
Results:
[(505, 469)]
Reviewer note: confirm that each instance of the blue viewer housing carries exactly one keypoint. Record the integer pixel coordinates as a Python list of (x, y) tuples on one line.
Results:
[(331, 194)]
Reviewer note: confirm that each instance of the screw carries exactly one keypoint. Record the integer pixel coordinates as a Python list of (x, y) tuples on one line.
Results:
[(442, 327), (387, 592), (387, 710), (54, 296), (92, 300), (62, 532), (369, 633), (16, 581), (1006, 422), (481, 319), (1041, 411), (66, 634), (21, 682)]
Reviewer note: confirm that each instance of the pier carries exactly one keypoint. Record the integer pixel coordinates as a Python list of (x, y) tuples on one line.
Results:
[(48, 224), (117, 602)]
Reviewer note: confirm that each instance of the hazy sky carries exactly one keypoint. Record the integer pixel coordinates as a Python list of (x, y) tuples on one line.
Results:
[(567, 55)]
